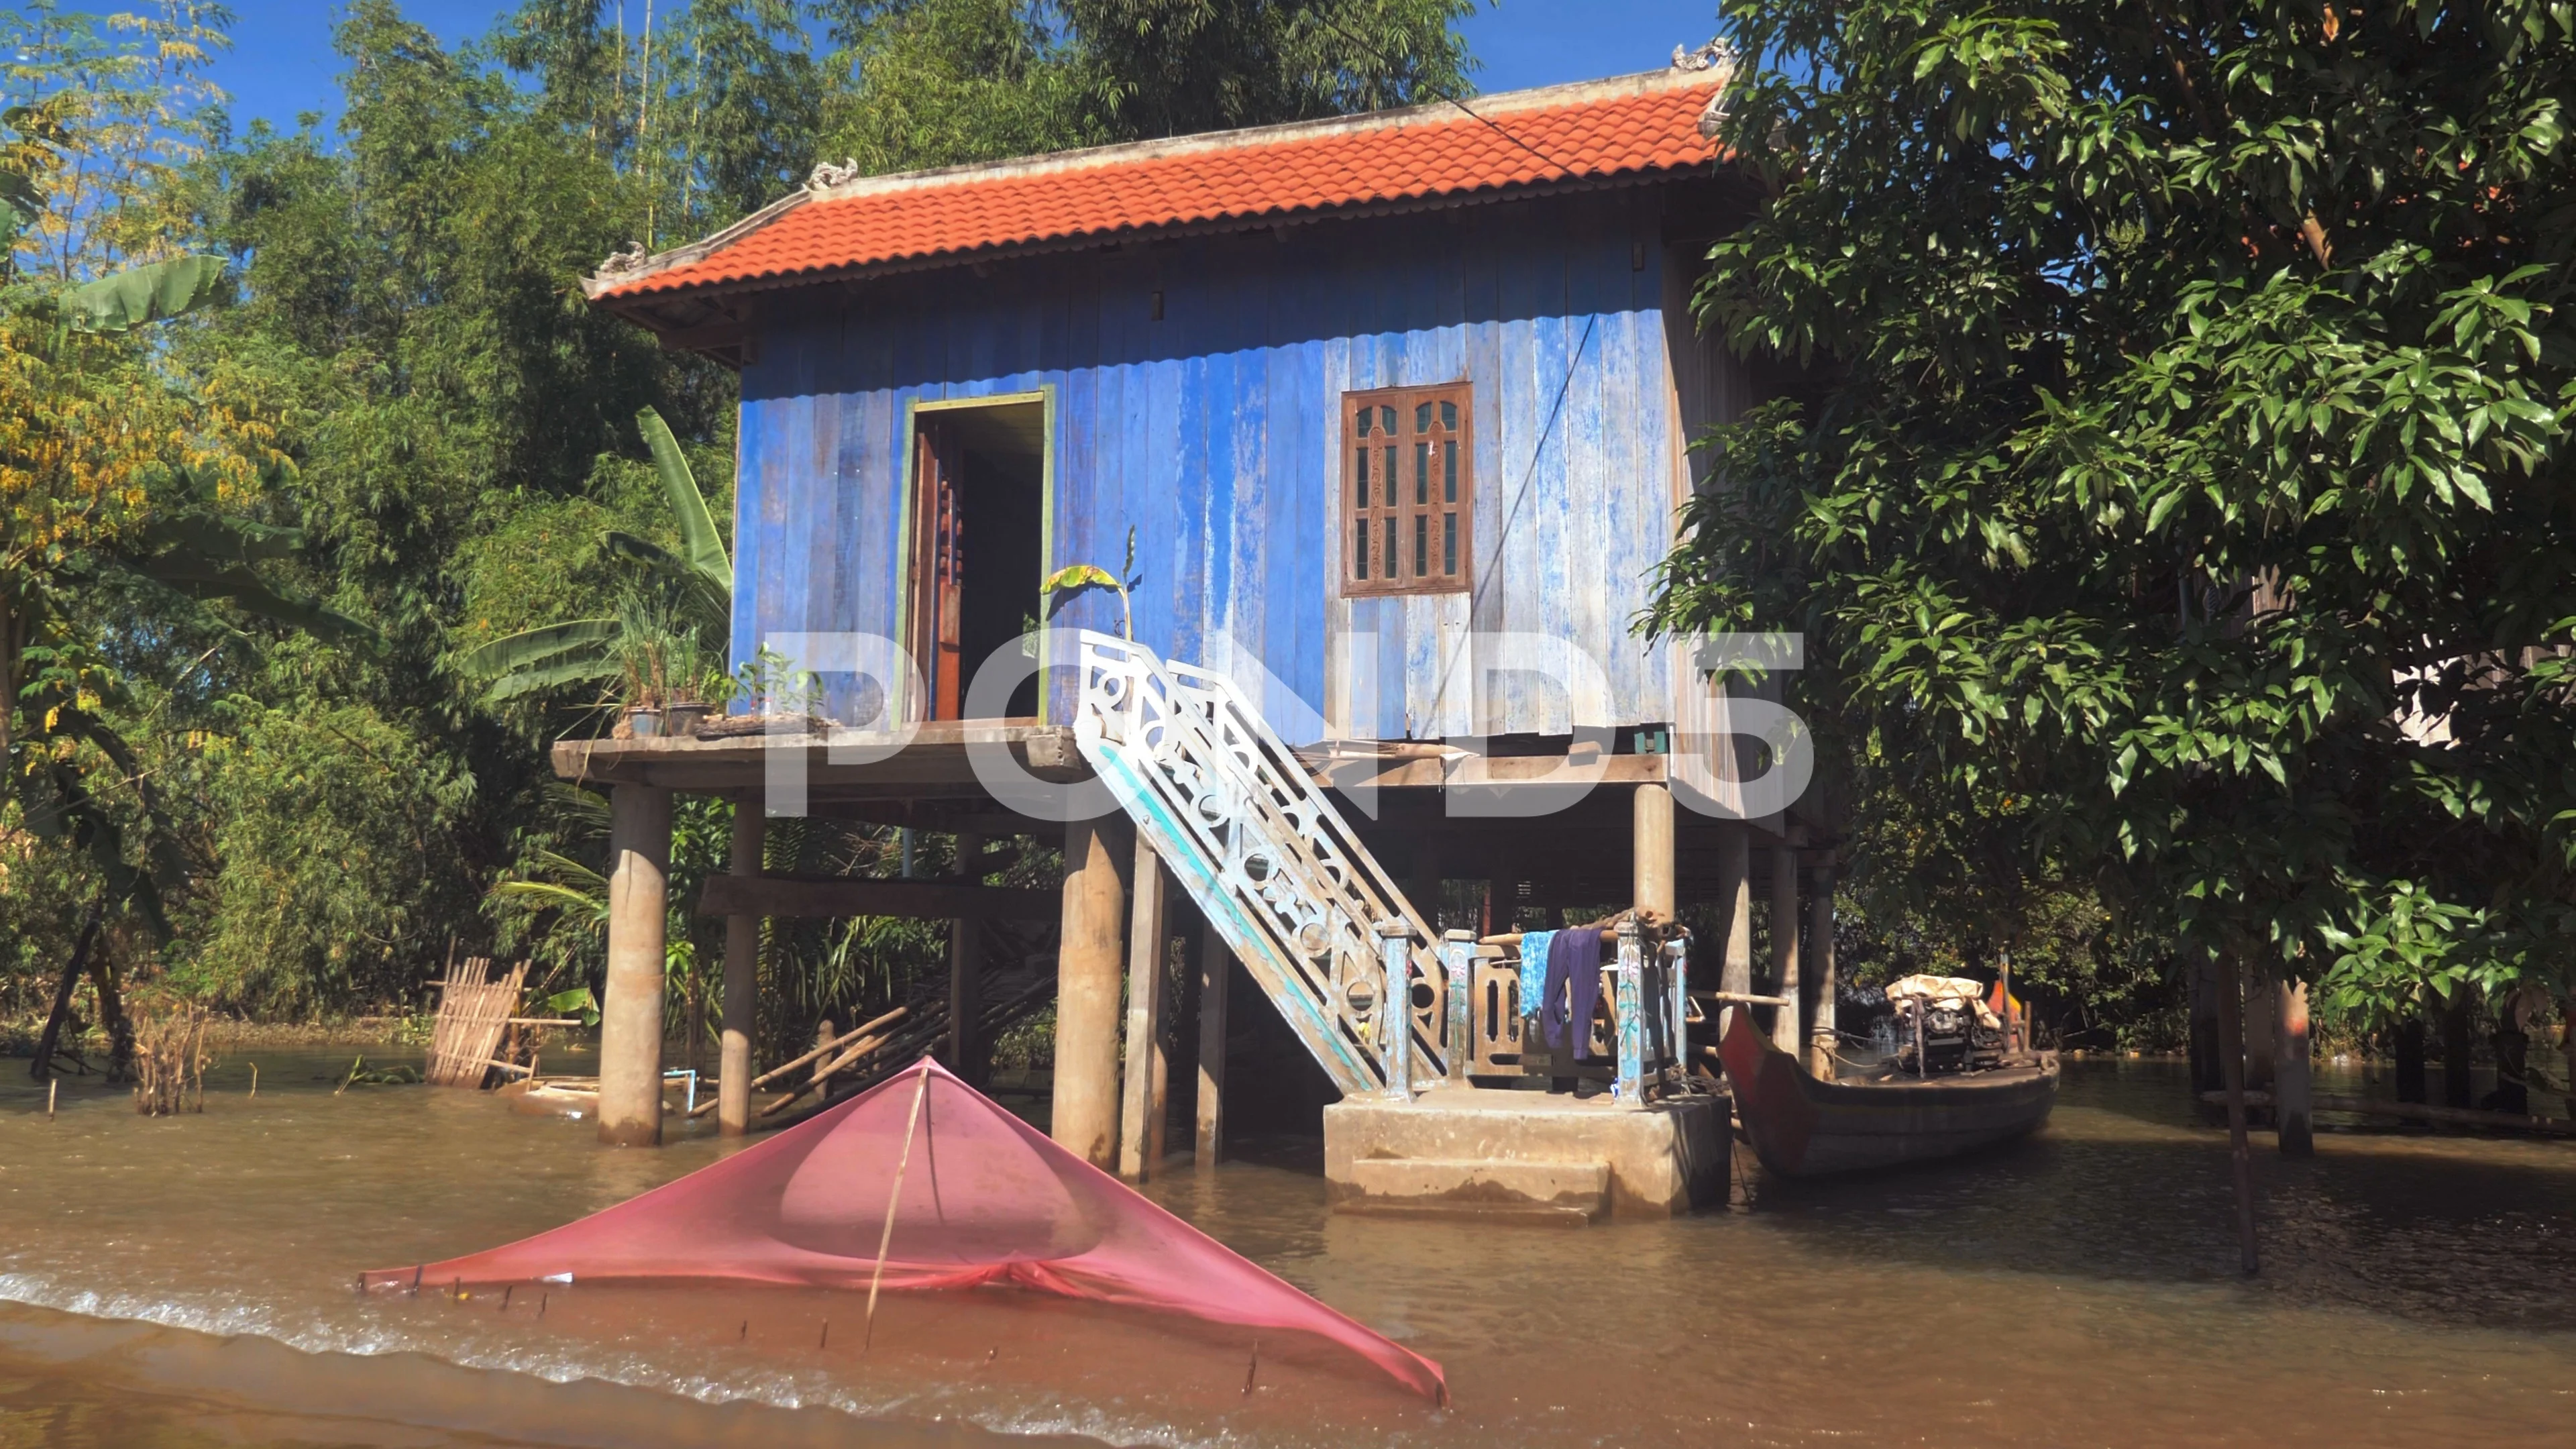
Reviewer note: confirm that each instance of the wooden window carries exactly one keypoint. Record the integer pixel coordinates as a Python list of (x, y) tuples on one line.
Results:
[(1408, 490)]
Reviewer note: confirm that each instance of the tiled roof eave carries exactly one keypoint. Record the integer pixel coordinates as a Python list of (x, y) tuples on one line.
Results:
[(643, 292)]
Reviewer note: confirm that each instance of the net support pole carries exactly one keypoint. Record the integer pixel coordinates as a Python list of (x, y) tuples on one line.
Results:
[(1145, 943), (1784, 948), (1085, 1121), (741, 978), (630, 1019)]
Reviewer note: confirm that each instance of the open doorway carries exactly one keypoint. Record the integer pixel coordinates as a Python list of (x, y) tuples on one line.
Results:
[(978, 513)]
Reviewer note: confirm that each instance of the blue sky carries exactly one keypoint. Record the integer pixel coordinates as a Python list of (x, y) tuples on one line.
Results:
[(281, 62)]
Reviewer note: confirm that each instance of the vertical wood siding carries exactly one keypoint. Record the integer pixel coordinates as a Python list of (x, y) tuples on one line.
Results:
[(1215, 433)]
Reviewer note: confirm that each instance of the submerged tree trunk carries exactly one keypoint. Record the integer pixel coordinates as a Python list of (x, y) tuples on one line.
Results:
[(111, 1015), (2567, 1051), (2513, 1060), (2206, 1075), (2455, 1050), (47, 1044), (2231, 1058), (2413, 1084)]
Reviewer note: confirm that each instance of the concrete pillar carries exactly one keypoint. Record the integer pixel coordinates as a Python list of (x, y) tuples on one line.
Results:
[(630, 1019), (1216, 963), (2292, 1118), (1085, 1121), (1651, 831), (1784, 949), (1141, 1100), (965, 973), (1735, 897), (1821, 971), (734, 1069)]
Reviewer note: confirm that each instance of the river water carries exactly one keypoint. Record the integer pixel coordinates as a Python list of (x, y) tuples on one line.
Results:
[(188, 1282)]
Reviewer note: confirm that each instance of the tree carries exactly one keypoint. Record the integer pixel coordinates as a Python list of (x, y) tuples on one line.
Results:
[(2180, 447)]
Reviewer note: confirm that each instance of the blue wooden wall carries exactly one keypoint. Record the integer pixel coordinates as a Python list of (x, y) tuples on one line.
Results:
[(1215, 433)]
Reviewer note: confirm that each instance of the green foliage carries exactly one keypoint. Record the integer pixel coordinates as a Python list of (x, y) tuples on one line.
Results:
[(2179, 454), (293, 666), (319, 822), (154, 292)]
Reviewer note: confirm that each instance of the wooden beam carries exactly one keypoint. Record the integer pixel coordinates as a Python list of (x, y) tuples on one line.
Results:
[(1561, 772), (928, 900)]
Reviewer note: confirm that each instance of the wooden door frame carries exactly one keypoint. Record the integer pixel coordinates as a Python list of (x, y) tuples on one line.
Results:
[(907, 480)]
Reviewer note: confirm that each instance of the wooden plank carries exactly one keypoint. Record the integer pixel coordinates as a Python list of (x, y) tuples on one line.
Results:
[(733, 895)]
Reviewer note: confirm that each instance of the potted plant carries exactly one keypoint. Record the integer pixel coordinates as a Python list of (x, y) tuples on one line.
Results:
[(644, 648)]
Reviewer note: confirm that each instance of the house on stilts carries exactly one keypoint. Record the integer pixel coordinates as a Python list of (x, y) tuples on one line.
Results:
[(1393, 413)]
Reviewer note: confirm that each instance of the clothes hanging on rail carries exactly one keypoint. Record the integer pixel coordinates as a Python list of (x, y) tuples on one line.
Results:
[(1573, 971), (1534, 946)]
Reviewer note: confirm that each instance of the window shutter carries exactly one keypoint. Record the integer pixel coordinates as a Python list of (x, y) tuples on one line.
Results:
[(1409, 490)]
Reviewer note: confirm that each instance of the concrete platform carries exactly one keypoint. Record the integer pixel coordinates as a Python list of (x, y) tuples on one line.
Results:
[(1472, 1151)]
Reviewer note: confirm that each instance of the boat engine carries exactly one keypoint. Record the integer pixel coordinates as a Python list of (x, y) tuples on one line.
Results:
[(1942, 1028)]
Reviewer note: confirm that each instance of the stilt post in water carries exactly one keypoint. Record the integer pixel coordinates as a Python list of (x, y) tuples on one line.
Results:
[(2293, 1118), (1735, 897), (1784, 948), (965, 971), (741, 1009), (1214, 959), (630, 1018), (1085, 1121), (1821, 972), (1145, 947)]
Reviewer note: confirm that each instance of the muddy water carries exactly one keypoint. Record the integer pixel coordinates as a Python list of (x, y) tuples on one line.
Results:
[(184, 1283)]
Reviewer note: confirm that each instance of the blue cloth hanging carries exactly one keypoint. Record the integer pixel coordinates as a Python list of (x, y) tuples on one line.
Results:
[(1534, 946)]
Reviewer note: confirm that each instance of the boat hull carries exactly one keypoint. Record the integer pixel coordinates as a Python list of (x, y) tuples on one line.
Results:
[(1801, 1127)]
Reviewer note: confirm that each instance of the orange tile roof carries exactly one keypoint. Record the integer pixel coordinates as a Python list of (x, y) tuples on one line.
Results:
[(1629, 126)]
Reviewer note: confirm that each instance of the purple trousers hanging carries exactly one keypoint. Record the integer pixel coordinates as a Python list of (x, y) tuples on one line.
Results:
[(1573, 970)]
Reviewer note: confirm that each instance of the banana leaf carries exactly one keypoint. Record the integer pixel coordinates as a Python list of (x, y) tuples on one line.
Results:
[(154, 292), (698, 536)]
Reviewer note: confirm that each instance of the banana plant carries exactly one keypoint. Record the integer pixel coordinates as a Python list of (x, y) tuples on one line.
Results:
[(1074, 578), (579, 650)]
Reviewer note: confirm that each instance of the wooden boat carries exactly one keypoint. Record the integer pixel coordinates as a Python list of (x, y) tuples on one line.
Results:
[(1802, 1127)]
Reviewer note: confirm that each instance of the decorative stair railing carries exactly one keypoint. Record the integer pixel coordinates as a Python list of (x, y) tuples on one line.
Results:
[(1269, 861)]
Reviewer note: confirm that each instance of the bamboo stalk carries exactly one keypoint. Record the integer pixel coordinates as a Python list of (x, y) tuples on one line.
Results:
[(765, 1078)]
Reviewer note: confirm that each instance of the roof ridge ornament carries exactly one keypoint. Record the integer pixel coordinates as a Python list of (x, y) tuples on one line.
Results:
[(825, 175), (625, 261), (1708, 57)]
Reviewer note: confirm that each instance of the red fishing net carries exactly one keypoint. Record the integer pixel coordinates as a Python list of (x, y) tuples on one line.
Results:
[(985, 1199)]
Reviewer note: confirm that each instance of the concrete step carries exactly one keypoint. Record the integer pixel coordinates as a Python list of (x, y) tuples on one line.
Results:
[(1433, 1186)]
